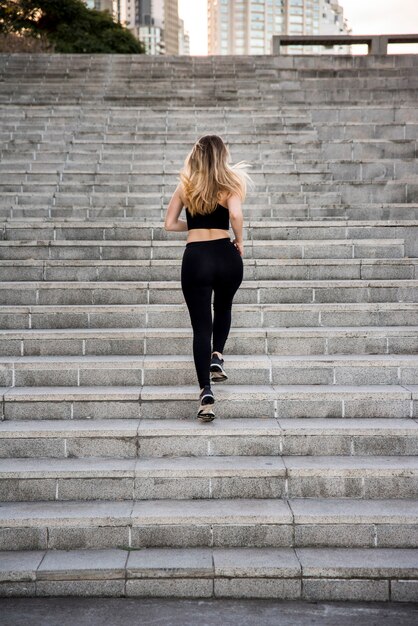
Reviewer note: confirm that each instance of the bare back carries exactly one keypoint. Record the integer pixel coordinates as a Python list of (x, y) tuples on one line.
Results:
[(203, 234)]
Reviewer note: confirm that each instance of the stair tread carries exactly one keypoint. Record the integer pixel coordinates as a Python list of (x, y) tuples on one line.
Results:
[(186, 331), (210, 511), (234, 360), (378, 241), (171, 262), (203, 466), (175, 284), (222, 427), (210, 562), (264, 224), (188, 392)]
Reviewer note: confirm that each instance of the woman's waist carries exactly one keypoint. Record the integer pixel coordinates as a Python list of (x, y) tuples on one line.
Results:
[(201, 235)]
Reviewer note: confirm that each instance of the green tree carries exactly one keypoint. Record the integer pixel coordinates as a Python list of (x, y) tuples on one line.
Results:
[(69, 25)]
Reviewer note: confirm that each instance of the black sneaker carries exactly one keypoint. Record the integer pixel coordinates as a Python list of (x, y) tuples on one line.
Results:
[(207, 399), (217, 372)]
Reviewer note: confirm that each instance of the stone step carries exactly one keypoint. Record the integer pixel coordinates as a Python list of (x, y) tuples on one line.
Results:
[(254, 401), (170, 292), (379, 190), (157, 94), (156, 250), (228, 523), (20, 169), (202, 65), (285, 212), (385, 191), (283, 85), (169, 269), (140, 146), (122, 164), (246, 340), (311, 574), (321, 316), (101, 183), (266, 231), (180, 478), (248, 90), (179, 118), (111, 201), (179, 369), (290, 173), (150, 129), (150, 126), (131, 438)]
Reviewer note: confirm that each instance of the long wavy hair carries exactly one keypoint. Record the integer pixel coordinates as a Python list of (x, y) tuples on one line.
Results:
[(207, 174)]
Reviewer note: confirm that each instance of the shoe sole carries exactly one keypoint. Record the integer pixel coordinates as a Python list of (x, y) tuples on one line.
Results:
[(206, 417), (205, 411), (218, 374)]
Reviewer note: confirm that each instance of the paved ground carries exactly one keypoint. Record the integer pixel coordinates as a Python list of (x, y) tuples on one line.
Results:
[(161, 612)]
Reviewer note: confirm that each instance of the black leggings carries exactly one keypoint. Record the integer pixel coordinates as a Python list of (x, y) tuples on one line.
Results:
[(210, 265)]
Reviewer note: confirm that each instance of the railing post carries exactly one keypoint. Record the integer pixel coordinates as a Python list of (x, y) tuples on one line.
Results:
[(275, 44), (378, 45)]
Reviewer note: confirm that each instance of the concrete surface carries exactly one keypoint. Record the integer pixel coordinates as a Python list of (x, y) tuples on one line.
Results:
[(147, 612)]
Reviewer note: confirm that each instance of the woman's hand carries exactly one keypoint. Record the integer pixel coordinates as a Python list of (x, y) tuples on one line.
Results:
[(239, 246)]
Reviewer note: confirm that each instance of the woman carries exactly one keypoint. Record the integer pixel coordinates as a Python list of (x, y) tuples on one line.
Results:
[(212, 192)]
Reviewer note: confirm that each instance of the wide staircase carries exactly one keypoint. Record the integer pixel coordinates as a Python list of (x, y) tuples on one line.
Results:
[(305, 485)]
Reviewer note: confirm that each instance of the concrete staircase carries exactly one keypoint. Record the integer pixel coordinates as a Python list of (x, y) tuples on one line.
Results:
[(305, 486)]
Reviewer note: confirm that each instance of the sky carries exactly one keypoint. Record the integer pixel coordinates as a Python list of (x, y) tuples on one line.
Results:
[(365, 17)]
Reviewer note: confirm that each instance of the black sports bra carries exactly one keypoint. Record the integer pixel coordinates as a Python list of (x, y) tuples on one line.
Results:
[(219, 218)]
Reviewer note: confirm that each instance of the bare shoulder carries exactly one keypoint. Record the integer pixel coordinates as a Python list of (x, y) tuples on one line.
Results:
[(232, 202)]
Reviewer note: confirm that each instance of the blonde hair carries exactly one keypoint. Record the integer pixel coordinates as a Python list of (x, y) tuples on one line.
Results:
[(206, 174)]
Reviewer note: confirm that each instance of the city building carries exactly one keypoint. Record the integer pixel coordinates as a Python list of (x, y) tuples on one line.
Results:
[(154, 22), (247, 26), (101, 5), (184, 39)]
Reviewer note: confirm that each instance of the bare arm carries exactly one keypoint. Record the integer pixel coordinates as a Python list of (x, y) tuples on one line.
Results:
[(236, 217), (174, 209)]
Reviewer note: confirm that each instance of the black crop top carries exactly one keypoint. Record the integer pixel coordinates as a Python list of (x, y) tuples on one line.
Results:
[(219, 218)]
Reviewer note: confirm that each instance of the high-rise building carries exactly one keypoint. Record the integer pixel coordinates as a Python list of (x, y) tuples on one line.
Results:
[(101, 5), (154, 22), (247, 26), (184, 39), (114, 7)]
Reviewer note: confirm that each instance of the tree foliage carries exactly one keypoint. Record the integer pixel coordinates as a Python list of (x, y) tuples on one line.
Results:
[(69, 25)]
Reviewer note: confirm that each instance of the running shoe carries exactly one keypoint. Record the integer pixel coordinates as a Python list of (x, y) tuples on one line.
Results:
[(217, 372), (207, 399)]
